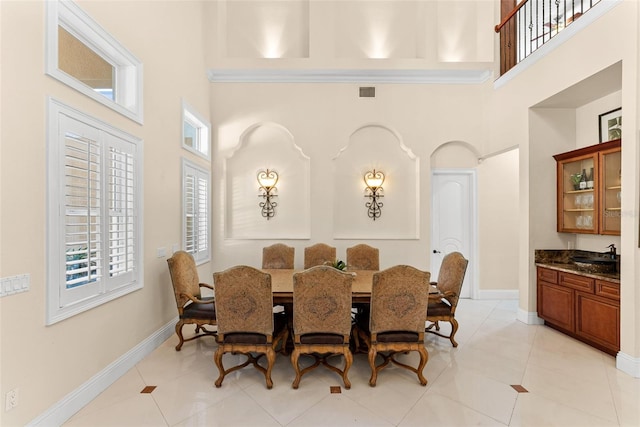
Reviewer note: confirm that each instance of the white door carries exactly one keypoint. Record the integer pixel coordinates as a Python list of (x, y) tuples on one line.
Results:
[(453, 221)]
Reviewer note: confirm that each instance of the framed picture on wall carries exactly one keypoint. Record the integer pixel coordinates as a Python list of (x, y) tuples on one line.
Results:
[(610, 124)]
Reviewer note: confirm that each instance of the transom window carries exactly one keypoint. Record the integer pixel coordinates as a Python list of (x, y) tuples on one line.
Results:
[(196, 132), (84, 56)]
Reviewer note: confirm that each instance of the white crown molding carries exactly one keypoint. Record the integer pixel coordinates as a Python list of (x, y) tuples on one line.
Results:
[(348, 76)]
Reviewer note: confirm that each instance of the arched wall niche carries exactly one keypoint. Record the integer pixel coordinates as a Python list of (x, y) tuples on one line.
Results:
[(267, 145), (375, 146), (454, 154)]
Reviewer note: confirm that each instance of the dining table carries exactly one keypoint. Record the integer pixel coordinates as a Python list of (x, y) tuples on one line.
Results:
[(282, 286)]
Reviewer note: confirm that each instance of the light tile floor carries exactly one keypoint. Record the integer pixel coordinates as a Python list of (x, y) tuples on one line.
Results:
[(568, 383)]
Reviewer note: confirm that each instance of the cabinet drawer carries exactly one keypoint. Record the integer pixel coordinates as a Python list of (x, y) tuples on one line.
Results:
[(608, 289), (549, 276), (574, 281)]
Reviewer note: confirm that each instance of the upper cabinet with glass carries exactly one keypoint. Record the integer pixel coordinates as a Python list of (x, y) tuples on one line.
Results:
[(81, 54), (588, 189), (611, 191)]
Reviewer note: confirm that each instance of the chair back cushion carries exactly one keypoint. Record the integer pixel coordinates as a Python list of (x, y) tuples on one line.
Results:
[(399, 297), (184, 277), (244, 303), (451, 276), (278, 256), (318, 254), (363, 257), (322, 301)]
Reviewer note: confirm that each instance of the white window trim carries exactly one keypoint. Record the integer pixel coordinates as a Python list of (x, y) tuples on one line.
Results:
[(204, 127), (128, 68), (203, 256), (56, 310)]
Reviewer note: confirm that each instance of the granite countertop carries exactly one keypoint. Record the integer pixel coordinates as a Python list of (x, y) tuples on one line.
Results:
[(561, 260)]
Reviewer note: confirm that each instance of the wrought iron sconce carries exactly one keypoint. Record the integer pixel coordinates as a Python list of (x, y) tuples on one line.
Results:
[(374, 180), (268, 180)]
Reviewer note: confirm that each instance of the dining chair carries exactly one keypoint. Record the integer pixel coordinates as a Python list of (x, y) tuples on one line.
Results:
[(399, 297), (363, 257), (278, 256), (319, 254), (449, 284), (322, 319), (244, 303), (193, 308)]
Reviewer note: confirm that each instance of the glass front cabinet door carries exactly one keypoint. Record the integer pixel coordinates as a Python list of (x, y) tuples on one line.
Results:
[(588, 189), (611, 191)]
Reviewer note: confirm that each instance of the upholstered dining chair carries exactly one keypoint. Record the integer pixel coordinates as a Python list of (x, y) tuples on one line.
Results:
[(322, 319), (193, 308), (363, 257), (449, 284), (278, 256), (399, 297), (245, 319), (319, 254)]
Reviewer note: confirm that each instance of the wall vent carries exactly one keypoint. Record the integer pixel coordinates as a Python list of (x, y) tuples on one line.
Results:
[(367, 92)]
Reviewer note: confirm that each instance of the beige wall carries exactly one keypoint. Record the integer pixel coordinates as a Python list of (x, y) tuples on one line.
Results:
[(614, 37), (322, 118), (498, 184), (47, 363)]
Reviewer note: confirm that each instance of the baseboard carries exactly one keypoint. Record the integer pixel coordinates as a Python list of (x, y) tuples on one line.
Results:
[(60, 412), (628, 364), (497, 294), (529, 317)]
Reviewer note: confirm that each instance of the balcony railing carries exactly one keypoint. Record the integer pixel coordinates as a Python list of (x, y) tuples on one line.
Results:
[(532, 23)]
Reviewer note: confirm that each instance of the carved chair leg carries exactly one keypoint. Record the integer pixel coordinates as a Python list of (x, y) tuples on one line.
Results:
[(217, 357), (295, 355), (454, 329), (271, 359), (348, 360), (179, 326), (372, 365), (424, 357)]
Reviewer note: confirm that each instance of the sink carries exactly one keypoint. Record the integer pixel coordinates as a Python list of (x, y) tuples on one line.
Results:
[(594, 264)]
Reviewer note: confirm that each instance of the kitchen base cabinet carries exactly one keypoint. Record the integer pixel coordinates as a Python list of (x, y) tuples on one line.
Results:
[(585, 308), (555, 304), (598, 320)]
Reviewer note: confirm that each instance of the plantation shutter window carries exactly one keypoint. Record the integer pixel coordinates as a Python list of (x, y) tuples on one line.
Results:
[(94, 198), (196, 211)]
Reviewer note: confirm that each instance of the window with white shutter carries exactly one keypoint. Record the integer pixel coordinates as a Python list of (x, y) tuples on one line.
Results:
[(195, 205), (94, 199)]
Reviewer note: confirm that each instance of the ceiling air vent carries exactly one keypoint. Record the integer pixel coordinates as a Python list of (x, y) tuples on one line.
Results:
[(367, 92)]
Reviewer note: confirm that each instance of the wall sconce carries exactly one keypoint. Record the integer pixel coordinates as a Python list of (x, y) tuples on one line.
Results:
[(373, 180), (267, 180)]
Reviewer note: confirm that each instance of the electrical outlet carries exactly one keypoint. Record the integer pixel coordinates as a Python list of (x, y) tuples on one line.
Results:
[(11, 400)]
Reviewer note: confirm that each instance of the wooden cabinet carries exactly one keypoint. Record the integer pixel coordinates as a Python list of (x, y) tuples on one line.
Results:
[(593, 205), (583, 307)]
